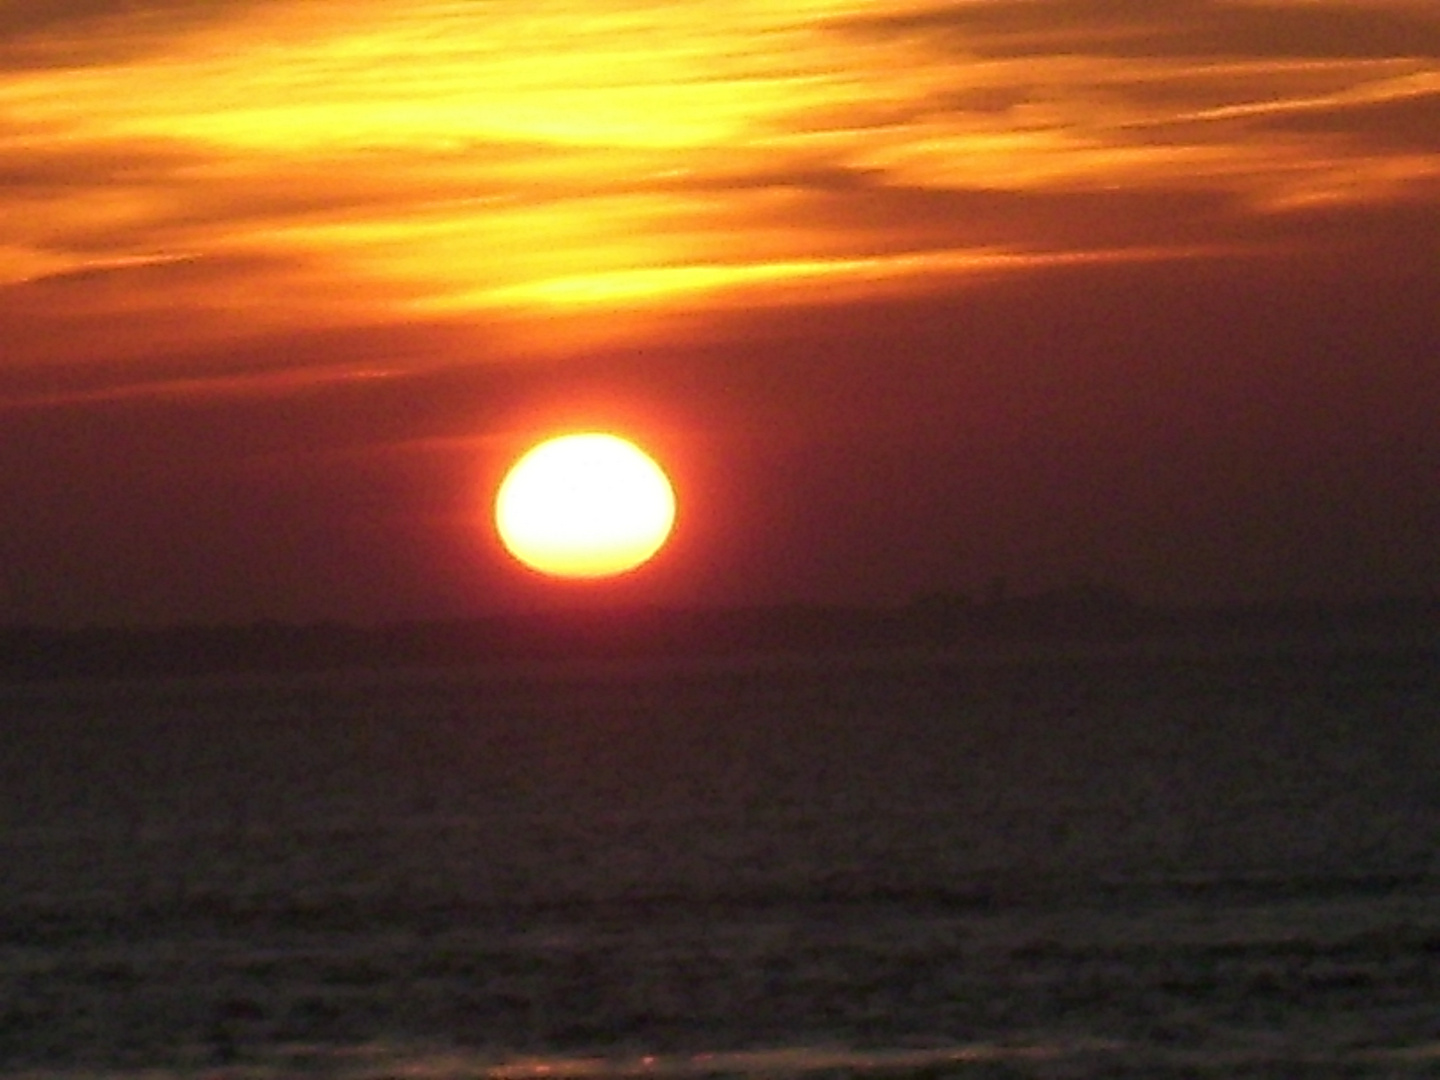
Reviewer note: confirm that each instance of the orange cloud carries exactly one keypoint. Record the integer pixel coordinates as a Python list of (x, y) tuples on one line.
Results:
[(203, 173)]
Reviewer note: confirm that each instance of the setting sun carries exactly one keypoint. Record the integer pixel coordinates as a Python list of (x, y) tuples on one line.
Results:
[(585, 505)]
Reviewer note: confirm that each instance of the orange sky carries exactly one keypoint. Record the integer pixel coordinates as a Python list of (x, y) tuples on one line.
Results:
[(910, 295)]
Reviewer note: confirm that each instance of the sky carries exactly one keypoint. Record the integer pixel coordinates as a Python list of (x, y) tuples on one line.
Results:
[(909, 297)]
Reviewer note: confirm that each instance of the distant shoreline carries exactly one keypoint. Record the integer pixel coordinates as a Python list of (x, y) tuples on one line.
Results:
[(1046, 622)]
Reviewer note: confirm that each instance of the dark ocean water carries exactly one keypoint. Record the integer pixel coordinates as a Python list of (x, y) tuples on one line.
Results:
[(1123, 864)]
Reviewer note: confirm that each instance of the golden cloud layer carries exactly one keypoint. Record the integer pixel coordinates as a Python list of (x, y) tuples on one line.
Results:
[(178, 174)]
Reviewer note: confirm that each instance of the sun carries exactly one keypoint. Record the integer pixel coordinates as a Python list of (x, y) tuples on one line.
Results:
[(585, 505)]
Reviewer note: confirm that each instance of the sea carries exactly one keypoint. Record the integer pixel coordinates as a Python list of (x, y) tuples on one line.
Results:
[(1136, 860)]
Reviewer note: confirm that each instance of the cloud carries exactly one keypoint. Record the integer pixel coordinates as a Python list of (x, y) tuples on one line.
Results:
[(1404, 121), (80, 33), (1132, 69), (1174, 28), (392, 163), (1271, 105)]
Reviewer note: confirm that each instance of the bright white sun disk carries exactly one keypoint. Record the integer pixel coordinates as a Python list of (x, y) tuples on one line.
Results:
[(584, 506)]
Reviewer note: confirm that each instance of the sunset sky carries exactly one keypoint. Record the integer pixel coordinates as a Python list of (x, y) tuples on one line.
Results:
[(907, 296)]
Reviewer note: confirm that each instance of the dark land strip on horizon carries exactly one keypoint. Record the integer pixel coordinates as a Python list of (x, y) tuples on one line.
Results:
[(1070, 618)]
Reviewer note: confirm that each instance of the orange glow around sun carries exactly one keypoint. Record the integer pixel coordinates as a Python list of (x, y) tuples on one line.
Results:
[(588, 505)]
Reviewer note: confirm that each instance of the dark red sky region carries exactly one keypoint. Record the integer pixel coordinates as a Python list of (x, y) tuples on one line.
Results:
[(907, 298)]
